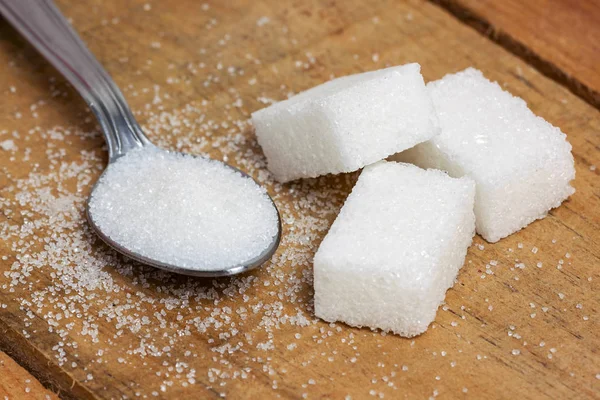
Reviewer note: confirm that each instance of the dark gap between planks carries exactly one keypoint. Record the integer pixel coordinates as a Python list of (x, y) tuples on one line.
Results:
[(514, 46)]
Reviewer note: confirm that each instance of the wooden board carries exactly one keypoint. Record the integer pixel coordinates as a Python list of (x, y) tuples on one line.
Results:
[(559, 37), (97, 326), (16, 383)]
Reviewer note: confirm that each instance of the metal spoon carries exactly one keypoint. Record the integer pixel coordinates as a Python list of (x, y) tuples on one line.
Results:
[(42, 24)]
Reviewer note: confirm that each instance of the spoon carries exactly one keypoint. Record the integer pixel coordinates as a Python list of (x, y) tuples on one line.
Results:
[(42, 24)]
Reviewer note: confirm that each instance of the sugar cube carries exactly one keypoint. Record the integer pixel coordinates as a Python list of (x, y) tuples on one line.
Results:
[(522, 165), (346, 123), (395, 248)]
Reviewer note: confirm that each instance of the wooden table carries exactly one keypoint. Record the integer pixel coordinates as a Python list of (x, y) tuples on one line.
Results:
[(90, 324)]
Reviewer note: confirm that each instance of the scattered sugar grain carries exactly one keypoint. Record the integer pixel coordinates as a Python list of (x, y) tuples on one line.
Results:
[(8, 145), (263, 21)]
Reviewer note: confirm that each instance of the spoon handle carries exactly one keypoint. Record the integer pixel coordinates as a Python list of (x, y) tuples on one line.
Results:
[(42, 24)]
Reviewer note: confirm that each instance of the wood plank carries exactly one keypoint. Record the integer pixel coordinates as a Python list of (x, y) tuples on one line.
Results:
[(100, 326), (559, 37), (16, 383)]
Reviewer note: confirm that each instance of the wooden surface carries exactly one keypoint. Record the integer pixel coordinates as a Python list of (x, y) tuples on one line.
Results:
[(559, 37), (94, 325), (16, 383)]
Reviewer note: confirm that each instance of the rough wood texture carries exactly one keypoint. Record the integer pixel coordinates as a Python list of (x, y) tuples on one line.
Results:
[(558, 37), (99, 326), (16, 383)]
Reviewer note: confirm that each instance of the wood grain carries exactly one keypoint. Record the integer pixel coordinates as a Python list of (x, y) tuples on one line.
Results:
[(16, 383), (521, 332), (558, 37)]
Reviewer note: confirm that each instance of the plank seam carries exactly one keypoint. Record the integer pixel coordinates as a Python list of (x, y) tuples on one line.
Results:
[(11, 344), (522, 51)]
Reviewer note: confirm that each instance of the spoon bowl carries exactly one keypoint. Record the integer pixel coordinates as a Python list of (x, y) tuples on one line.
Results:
[(248, 265)]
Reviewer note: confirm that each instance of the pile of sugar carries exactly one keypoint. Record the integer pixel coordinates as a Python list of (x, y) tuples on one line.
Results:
[(380, 265), (182, 210)]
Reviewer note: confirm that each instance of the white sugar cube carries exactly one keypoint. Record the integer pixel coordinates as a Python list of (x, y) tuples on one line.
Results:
[(395, 248), (347, 123), (522, 165)]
